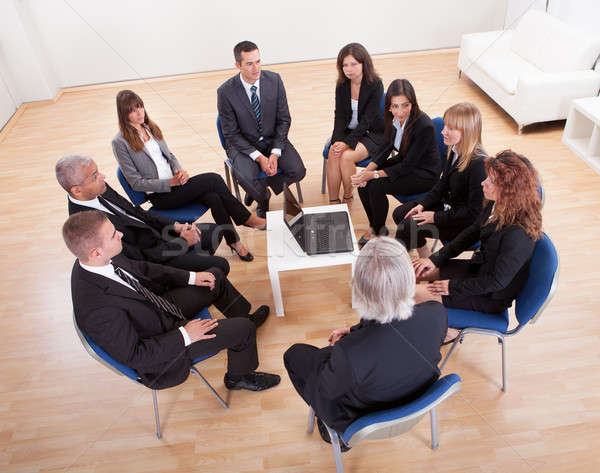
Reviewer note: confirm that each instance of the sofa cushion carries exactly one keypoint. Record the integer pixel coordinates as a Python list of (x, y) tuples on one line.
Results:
[(505, 68), (553, 46)]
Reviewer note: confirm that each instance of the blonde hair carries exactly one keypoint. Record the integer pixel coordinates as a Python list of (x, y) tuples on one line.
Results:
[(465, 117), (384, 281)]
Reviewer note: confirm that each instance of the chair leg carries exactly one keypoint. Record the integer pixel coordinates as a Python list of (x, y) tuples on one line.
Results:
[(337, 451), (503, 343), (300, 199), (434, 428), (156, 418), (452, 348), (211, 389), (236, 186), (227, 176), (435, 244), (324, 178), (311, 421)]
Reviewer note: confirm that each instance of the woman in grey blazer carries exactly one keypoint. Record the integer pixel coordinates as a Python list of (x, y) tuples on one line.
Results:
[(150, 167)]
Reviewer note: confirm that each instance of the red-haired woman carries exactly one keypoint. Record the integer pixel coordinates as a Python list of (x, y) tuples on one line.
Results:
[(149, 166), (508, 227)]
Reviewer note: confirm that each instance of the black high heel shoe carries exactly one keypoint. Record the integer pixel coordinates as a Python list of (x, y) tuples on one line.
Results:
[(247, 257)]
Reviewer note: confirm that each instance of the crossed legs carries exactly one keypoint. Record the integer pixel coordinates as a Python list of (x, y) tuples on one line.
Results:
[(340, 168)]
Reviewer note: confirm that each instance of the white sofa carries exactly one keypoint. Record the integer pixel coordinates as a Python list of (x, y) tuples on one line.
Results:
[(535, 71)]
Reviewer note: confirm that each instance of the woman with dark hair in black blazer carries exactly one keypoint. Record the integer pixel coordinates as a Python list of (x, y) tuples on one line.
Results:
[(358, 126), (416, 167), (508, 227), (149, 166), (456, 200)]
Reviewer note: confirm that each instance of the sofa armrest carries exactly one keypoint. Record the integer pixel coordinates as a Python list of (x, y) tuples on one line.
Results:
[(548, 95)]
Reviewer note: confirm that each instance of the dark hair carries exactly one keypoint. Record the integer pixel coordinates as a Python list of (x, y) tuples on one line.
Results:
[(396, 88), (359, 52), (243, 47), (127, 100), (81, 232), (519, 202)]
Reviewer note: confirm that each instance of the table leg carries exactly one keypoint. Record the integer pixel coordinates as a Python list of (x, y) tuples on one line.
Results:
[(276, 289), (351, 276)]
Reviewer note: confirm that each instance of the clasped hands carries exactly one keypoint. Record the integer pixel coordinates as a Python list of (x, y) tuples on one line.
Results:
[(361, 178), (268, 165), (191, 233), (423, 268), (419, 215), (180, 177)]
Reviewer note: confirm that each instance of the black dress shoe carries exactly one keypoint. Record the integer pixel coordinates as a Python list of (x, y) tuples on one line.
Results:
[(261, 212), (248, 200), (256, 381), (260, 315), (325, 436), (362, 242), (247, 257)]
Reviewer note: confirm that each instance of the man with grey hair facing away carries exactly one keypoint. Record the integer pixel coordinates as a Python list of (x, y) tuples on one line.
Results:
[(388, 359)]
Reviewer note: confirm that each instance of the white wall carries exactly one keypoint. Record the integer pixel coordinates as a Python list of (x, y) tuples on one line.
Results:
[(516, 8), (581, 13), (57, 43)]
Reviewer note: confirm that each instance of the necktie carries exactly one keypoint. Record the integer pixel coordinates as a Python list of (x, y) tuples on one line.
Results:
[(256, 107), (155, 299)]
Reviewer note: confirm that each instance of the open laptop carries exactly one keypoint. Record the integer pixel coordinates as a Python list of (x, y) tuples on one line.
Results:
[(318, 233)]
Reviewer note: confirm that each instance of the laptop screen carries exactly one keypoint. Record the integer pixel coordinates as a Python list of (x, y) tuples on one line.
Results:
[(292, 212)]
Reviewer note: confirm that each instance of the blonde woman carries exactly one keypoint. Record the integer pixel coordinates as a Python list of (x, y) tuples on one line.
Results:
[(456, 200)]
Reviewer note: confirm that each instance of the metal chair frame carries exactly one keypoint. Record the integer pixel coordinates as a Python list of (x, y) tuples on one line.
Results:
[(501, 336), (193, 370)]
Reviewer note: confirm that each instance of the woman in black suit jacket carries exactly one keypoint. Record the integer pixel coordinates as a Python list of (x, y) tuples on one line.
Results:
[(389, 358), (416, 167), (508, 228), (358, 126), (149, 166), (456, 200)]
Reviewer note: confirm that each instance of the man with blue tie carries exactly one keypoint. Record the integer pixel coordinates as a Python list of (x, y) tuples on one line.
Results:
[(255, 120)]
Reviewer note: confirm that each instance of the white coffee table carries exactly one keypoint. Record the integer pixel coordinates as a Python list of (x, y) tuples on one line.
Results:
[(285, 254), (582, 130)]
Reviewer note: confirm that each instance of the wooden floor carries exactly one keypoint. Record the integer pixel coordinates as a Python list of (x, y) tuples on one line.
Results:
[(62, 411)]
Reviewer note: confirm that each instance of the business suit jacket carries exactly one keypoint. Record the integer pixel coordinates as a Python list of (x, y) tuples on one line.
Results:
[(377, 366), (422, 157), (500, 267), (462, 191), (130, 328), (141, 240), (238, 121), (370, 119), (139, 168)]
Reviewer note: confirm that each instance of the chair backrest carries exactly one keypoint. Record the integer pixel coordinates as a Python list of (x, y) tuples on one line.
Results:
[(541, 283), (220, 132), (100, 355), (438, 125), (136, 197), (395, 421)]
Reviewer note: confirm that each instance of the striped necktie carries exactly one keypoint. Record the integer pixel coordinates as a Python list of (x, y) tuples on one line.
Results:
[(156, 300), (256, 107)]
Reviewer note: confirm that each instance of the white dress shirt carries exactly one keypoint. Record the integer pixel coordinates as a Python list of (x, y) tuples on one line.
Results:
[(162, 165), (354, 120), (399, 132), (95, 204), (108, 271), (255, 154)]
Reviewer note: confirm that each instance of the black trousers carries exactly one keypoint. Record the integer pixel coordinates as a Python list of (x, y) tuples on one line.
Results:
[(374, 196), (237, 333), (301, 361), (193, 261), (246, 171), (412, 235), (210, 190), (463, 269)]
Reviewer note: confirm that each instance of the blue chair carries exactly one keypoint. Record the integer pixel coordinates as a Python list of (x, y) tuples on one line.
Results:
[(186, 214), (100, 355), (230, 175), (361, 164), (438, 125), (530, 303), (392, 422)]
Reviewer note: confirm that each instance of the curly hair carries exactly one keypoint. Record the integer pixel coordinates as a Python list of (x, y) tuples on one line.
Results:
[(518, 200), (127, 100)]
